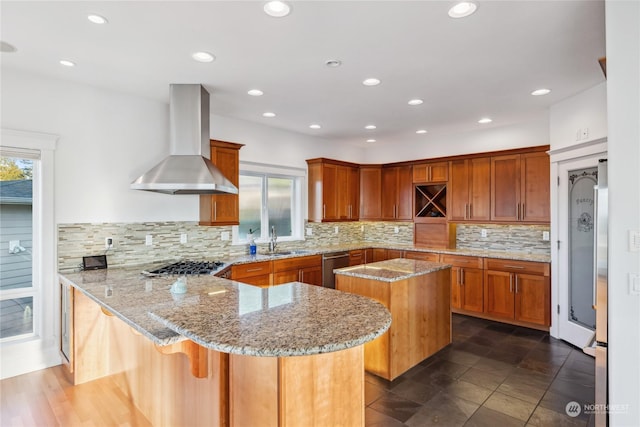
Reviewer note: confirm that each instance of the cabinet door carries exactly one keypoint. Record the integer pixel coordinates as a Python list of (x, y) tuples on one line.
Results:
[(533, 301), (379, 254), (439, 172), (370, 193), (356, 257), (498, 294), (311, 275), (329, 192), (342, 192), (223, 209), (354, 193), (456, 288), (535, 197), (285, 276), (480, 189), (389, 193), (505, 188), (394, 253), (368, 255), (404, 194), (459, 190), (472, 290)]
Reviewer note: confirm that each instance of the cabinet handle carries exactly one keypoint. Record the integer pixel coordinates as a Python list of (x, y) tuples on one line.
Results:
[(516, 284), (300, 276), (324, 211), (510, 283), (462, 275), (466, 209), (470, 210), (517, 267), (249, 270), (522, 213), (215, 211)]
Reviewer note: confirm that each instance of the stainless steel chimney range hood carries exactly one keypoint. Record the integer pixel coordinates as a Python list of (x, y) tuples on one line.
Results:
[(188, 169)]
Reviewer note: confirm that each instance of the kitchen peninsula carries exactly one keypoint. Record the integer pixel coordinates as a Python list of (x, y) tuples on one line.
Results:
[(417, 293), (237, 343)]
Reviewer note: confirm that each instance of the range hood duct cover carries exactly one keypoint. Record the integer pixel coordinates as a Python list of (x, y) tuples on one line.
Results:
[(188, 169)]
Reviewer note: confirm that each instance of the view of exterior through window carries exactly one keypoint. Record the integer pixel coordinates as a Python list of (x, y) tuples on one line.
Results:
[(16, 261), (266, 201)]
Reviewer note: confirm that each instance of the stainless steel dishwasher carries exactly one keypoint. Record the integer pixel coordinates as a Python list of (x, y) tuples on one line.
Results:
[(330, 262)]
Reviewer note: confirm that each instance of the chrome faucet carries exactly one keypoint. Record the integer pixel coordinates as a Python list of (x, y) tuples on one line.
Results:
[(273, 242)]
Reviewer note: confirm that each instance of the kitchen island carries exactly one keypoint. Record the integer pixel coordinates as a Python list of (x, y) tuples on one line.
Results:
[(224, 353), (417, 293)]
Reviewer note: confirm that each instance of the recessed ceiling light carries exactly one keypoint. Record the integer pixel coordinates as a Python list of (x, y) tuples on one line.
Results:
[(539, 92), (462, 9), (415, 102), (203, 57), (371, 140), (315, 126), (67, 63), (371, 82), (421, 131), (268, 114), (370, 127), (485, 120), (97, 19), (7, 48), (277, 8), (255, 92), (333, 63)]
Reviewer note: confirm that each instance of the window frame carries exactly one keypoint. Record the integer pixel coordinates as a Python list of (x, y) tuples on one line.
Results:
[(299, 176)]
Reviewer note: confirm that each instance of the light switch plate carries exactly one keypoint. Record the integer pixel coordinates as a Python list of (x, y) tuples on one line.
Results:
[(183, 238), (309, 231), (396, 230), (148, 240), (336, 229), (545, 236), (483, 232), (634, 240)]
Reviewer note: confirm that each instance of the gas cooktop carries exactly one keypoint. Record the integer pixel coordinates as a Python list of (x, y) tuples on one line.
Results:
[(187, 267)]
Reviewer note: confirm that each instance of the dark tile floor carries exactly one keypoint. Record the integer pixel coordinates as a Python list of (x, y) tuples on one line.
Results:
[(492, 374)]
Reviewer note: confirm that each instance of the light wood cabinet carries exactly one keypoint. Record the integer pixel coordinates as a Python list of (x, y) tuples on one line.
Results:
[(397, 189), (380, 254), (431, 172), (254, 273), (334, 190), (300, 269), (467, 279), (371, 192), (520, 187), (517, 290), (357, 257), (223, 209), (422, 256), (470, 189)]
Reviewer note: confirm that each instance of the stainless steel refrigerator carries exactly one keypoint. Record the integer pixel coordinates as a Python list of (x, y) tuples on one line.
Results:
[(600, 294)]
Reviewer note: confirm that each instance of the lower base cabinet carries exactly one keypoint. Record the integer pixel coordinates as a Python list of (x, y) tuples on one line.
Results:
[(301, 269), (518, 291)]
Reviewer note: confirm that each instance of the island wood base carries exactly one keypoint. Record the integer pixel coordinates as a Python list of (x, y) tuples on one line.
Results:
[(421, 319), (319, 390)]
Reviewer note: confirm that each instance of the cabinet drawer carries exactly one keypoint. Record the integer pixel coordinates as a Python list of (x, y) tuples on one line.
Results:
[(422, 256), (357, 257), (462, 261), (250, 270), (297, 263), (529, 267)]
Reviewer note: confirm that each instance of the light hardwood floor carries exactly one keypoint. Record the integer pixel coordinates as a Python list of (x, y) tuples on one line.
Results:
[(47, 398)]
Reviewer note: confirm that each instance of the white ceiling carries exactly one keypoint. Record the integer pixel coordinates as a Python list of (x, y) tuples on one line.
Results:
[(464, 69)]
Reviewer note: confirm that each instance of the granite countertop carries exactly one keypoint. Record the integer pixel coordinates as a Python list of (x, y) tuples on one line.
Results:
[(228, 316), (392, 270), (291, 253)]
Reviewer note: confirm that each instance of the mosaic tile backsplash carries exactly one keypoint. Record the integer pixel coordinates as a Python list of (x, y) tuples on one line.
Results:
[(78, 240)]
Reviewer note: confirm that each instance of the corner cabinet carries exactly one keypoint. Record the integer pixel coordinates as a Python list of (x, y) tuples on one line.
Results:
[(334, 190), (520, 189), (223, 209)]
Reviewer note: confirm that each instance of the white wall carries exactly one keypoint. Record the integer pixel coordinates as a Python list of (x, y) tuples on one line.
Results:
[(531, 133), (623, 98), (587, 109), (107, 139)]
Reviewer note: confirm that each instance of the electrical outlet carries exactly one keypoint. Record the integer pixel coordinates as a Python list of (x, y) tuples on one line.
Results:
[(224, 235), (148, 240), (183, 238), (585, 133), (396, 230), (545, 236), (108, 242), (309, 231), (336, 229), (483, 232), (362, 228)]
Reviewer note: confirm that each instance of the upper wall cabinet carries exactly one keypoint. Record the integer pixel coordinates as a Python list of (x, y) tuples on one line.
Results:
[(470, 189), (223, 209), (334, 190), (371, 192), (397, 190), (431, 172), (520, 187)]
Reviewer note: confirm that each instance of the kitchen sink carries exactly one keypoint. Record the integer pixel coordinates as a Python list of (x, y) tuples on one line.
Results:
[(283, 253)]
